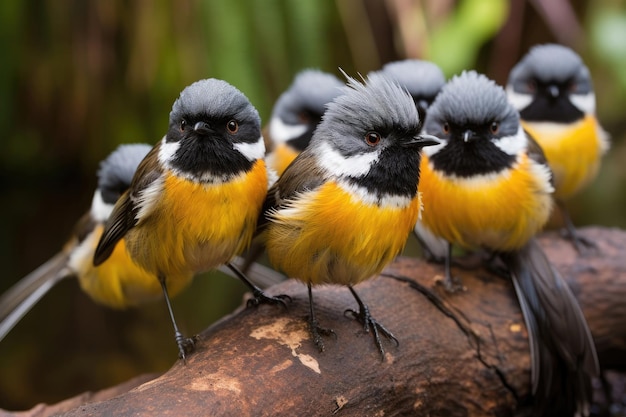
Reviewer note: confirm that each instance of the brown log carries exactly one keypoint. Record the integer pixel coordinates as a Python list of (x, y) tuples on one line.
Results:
[(459, 354)]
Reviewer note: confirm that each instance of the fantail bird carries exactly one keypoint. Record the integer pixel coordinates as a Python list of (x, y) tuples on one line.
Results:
[(327, 220), (118, 282), (296, 114), (552, 89), (194, 200), (488, 186), (422, 79)]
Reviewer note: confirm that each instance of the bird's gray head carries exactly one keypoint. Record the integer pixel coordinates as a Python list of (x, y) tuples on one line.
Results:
[(117, 170), (214, 132), (550, 64), (306, 98), (422, 79), (370, 135), (479, 128)]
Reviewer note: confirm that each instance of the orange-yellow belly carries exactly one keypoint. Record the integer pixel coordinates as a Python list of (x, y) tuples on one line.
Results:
[(196, 227), (281, 157), (328, 236), (499, 212), (572, 150), (118, 282)]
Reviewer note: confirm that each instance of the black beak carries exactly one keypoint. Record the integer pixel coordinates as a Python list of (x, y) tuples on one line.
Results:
[(424, 140), (468, 135), (553, 91), (202, 127)]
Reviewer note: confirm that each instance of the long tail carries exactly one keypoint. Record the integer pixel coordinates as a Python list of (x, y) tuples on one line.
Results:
[(563, 353), (21, 297)]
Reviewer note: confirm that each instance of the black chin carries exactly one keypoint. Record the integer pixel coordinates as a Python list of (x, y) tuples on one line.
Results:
[(544, 109)]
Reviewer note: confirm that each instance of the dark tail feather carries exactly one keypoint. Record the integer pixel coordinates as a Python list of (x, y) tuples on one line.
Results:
[(563, 354), (21, 297)]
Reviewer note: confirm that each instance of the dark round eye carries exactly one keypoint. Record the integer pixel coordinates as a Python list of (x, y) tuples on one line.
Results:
[(232, 126), (494, 127), (183, 125), (531, 85), (446, 128), (372, 138)]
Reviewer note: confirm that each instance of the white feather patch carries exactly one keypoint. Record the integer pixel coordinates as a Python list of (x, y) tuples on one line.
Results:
[(252, 151), (148, 197), (513, 145), (518, 100), (542, 171), (341, 166), (586, 103), (362, 195), (281, 132), (100, 210)]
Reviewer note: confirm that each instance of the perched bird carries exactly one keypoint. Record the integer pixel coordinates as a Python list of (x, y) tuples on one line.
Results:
[(327, 218), (487, 185), (552, 89), (296, 114), (422, 79), (118, 282), (194, 200)]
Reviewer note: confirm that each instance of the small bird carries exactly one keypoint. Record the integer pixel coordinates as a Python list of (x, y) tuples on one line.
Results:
[(117, 283), (552, 89), (422, 79), (194, 201), (327, 218), (297, 113), (488, 186)]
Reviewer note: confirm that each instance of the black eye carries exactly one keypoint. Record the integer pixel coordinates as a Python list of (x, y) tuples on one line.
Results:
[(445, 128), (372, 138), (494, 127), (531, 85), (183, 125), (232, 126)]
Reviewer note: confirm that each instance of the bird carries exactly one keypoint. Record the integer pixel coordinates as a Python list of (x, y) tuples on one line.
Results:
[(297, 113), (118, 283), (194, 201), (488, 186), (327, 218), (552, 89), (422, 79)]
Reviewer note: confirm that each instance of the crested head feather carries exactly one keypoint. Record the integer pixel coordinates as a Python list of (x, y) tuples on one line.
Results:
[(377, 104), (420, 78), (214, 98), (472, 98), (116, 171), (310, 90), (550, 63)]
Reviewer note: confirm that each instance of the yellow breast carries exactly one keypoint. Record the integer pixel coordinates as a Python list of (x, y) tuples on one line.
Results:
[(573, 151), (281, 157), (118, 282), (329, 236), (499, 212), (196, 227)]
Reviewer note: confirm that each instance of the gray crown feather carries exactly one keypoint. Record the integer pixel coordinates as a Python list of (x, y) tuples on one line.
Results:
[(550, 63), (420, 78)]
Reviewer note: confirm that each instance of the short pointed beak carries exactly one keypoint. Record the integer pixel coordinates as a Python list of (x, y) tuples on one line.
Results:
[(423, 104), (425, 140), (553, 91), (467, 135), (201, 126)]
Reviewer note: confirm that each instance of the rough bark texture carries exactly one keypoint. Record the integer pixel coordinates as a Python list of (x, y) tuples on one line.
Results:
[(459, 354)]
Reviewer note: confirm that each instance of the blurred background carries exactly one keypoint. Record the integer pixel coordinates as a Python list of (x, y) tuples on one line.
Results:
[(80, 77)]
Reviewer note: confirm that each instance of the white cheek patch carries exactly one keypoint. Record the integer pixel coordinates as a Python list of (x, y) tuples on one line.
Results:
[(167, 151), (148, 197), (513, 145), (336, 164), (281, 132), (252, 151), (518, 100), (100, 210), (586, 103)]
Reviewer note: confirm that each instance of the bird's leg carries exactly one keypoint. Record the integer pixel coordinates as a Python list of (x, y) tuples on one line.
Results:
[(314, 327), (185, 345), (259, 297), (368, 322), (581, 243), (450, 283)]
